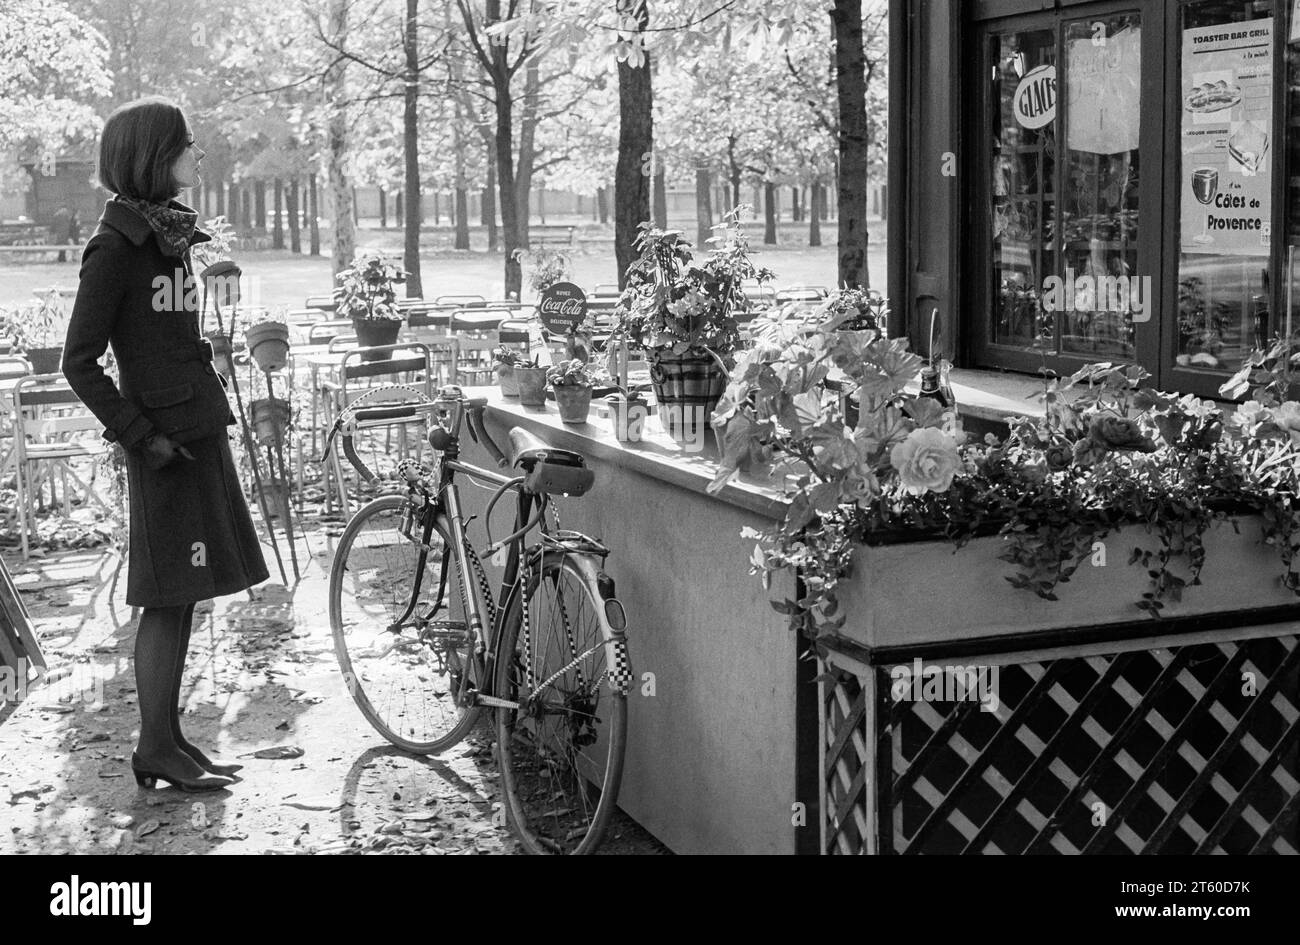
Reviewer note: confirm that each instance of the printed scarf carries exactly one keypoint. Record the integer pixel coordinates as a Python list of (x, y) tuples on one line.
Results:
[(173, 224)]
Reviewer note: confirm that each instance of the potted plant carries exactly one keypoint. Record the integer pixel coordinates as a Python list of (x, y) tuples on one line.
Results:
[(572, 382), (366, 293), (531, 380), (268, 342), (505, 360), (854, 310), (39, 330), (685, 316), (269, 415), (545, 267)]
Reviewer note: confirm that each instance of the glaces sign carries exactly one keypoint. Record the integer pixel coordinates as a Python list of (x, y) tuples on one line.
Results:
[(1035, 100), (562, 308)]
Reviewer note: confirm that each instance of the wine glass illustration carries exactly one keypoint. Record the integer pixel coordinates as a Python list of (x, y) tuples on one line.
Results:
[(1205, 184)]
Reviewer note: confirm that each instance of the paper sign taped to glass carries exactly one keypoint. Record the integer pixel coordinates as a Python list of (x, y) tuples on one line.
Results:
[(1103, 81), (1226, 141)]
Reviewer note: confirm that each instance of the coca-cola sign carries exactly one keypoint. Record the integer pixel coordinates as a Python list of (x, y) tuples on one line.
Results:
[(562, 307)]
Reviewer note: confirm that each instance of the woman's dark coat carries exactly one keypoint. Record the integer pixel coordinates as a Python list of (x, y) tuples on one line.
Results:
[(191, 534)]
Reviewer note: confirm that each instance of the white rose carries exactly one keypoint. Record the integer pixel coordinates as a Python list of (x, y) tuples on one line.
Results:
[(1287, 417), (926, 461)]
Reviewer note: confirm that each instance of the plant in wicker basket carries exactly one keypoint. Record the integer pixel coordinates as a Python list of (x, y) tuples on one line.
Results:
[(685, 316)]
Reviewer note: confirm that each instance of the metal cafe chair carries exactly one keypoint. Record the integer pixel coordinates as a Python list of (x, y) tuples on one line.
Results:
[(324, 303), (476, 334), (412, 364), (462, 301), (326, 330), (47, 443)]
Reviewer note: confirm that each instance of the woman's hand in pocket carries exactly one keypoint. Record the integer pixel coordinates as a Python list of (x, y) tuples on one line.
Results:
[(161, 450)]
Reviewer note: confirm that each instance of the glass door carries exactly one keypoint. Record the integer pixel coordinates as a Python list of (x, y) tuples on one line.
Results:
[(1067, 223)]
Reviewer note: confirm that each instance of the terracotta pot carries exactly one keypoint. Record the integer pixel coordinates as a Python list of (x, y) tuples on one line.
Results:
[(222, 351), (627, 415), (532, 385), (268, 343), (45, 360), (269, 414), (509, 383), (574, 402), (372, 332), (687, 388)]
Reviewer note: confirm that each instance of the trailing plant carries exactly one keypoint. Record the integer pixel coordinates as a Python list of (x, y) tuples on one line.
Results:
[(1107, 452), (39, 324), (545, 267)]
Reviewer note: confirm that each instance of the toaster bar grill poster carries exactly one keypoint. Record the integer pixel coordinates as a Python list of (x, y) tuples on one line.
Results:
[(1227, 138)]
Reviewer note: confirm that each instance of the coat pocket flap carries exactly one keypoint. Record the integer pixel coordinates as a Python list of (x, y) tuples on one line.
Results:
[(167, 396)]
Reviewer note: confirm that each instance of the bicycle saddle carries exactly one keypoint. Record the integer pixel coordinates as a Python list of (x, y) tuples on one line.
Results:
[(526, 449), (549, 471)]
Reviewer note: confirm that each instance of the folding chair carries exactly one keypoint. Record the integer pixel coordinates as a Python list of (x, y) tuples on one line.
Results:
[(476, 335), (54, 445)]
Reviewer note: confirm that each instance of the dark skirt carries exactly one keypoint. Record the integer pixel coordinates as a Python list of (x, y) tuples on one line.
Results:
[(192, 537)]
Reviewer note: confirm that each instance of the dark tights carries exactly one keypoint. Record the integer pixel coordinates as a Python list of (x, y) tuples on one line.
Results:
[(162, 641)]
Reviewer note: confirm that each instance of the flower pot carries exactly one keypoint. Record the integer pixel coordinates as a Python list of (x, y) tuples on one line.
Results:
[(269, 415), (268, 343), (532, 385), (627, 415), (373, 332), (574, 401), (222, 350), (687, 388), (509, 383), (45, 360)]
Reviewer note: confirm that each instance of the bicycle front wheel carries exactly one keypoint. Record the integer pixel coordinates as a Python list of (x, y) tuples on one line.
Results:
[(404, 665), (561, 751)]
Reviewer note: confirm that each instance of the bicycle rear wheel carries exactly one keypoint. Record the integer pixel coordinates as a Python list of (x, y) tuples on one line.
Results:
[(561, 752), (405, 671)]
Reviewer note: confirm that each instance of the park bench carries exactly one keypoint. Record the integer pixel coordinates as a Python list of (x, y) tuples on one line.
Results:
[(44, 248), (541, 236)]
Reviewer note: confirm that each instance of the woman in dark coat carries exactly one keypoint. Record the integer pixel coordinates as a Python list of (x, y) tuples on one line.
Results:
[(191, 534)]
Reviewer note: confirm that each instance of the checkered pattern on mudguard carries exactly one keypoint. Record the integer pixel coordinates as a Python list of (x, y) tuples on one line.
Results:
[(620, 673)]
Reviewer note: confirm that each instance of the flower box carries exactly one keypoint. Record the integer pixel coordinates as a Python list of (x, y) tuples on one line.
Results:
[(931, 592)]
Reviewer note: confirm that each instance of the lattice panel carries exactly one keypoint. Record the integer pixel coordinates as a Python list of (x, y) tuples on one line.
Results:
[(846, 771), (1153, 751)]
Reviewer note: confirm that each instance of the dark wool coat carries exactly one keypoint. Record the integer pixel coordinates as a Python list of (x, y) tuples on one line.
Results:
[(192, 537)]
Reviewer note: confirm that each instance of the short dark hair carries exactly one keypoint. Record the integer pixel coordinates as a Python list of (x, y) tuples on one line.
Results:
[(140, 144)]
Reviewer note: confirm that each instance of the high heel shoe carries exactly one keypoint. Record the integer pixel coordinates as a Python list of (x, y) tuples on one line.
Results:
[(210, 766), (150, 779)]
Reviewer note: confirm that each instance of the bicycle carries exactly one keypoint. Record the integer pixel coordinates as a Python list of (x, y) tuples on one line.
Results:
[(548, 655)]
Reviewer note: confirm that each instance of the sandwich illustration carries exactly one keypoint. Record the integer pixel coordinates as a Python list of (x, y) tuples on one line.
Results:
[(1248, 145), (1212, 97)]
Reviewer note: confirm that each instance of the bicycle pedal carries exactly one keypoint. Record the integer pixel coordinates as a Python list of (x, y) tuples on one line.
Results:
[(446, 629)]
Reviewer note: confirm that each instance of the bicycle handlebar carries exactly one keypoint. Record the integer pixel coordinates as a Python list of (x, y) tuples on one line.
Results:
[(480, 433)]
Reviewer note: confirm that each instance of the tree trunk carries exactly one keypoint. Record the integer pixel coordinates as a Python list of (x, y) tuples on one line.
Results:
[(221, 197), (277, 222), (661, 197), (345, 233), (503, 140), (437, 210), (796, 205), (259, 205), (769, 214), (462, 218), (851, 93), (734, 172), (635, 142), (815, 215), (295, 221), (703, 206), (411, 155), (490, 202), (527, 148), (399, 208), (383, 209), (313, 214), (602, 204)]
